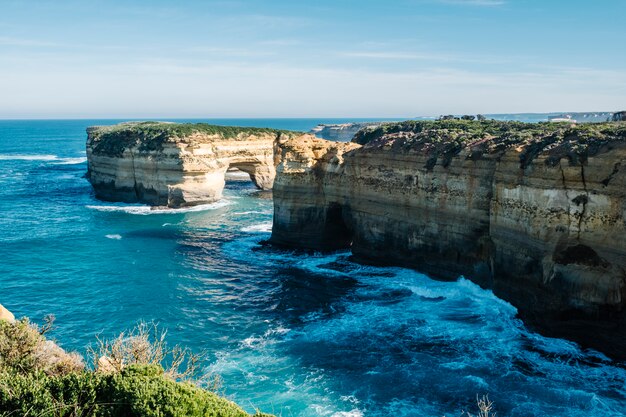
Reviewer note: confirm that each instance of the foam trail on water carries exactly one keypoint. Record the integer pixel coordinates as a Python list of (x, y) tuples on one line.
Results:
[(144, 210), (71, 161), (245, 213), (265, 227), (44, 158), (22, 157)]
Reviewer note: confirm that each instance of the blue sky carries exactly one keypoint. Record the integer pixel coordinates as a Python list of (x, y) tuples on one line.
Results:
[(319, 58)]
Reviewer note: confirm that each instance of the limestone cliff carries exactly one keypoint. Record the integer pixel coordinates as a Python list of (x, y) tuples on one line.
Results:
[(534, 211), (343, 132), (176, 165)]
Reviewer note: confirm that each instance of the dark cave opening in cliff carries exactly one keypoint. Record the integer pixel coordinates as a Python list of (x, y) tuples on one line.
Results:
[(337, 234)]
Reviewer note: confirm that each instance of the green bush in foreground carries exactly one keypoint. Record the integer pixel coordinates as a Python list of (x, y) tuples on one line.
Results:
[(137, 391), (38, 379)]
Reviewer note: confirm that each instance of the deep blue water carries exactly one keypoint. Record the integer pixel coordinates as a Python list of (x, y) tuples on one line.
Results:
[(290, 333)]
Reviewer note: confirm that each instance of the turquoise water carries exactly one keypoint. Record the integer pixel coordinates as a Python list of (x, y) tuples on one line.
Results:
[(291, 333)]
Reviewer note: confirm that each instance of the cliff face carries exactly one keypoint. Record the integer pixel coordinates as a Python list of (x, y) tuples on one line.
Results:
[(343, 132), (535, 212), (620, 116), (175, 165)]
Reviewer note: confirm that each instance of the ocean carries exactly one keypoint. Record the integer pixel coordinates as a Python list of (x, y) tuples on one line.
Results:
[(290, 333)]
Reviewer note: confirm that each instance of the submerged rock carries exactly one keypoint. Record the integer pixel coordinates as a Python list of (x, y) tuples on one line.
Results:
[(176, 165), (534, 211)]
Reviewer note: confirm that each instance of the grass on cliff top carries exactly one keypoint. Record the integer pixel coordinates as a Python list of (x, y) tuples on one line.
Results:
[(444, 139), (38, 379), (150, 136)]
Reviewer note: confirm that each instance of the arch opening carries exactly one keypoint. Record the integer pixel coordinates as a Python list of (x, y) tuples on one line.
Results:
[(261, 175)]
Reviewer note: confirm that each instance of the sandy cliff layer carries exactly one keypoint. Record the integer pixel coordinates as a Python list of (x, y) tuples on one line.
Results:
[(176, 165), (535, 212)]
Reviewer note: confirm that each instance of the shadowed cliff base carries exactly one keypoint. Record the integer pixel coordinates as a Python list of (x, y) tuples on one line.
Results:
[(533, 211)]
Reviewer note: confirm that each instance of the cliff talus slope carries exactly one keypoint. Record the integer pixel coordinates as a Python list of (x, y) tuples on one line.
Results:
[(533, 211)]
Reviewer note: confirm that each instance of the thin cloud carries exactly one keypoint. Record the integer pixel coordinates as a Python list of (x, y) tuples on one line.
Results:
[(232, 52), (9, 41), (396, 55)]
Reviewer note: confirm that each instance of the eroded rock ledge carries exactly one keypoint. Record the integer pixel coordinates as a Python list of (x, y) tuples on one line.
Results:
[(175, 165), (533, 211)]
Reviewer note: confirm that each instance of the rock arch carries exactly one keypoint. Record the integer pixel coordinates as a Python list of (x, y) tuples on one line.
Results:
[(176, 165)]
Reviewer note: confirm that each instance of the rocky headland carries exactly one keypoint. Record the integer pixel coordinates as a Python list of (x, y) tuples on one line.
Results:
[(535, 212), (619, 116), (176, 165), (342, 132)]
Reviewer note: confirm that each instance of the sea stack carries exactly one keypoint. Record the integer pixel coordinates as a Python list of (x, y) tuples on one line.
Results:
[(535, 212), (176, 165)]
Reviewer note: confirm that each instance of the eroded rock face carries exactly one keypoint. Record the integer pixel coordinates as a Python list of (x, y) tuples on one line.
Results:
[(535, 212), (176, 165)]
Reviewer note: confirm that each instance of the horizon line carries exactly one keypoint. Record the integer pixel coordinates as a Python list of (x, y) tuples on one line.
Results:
[(382, 118)]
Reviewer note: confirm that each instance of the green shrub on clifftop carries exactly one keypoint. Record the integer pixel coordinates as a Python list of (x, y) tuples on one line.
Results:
[(150, 136), (444, 139)]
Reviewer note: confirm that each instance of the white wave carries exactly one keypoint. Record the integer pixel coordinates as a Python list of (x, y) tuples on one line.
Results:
[(265, 227), (21, 157), (71, 161), (43, 157), (269, 337), (147, 210), (243, 213), (114, 237), (353, 413)]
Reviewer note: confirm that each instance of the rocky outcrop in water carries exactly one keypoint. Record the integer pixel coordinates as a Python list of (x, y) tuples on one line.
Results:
[(175, 165), (343, 132), (534, 211)]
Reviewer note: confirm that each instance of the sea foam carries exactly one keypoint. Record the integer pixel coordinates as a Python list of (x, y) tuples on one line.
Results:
[(144, 210), (265, 227), (43, 157)]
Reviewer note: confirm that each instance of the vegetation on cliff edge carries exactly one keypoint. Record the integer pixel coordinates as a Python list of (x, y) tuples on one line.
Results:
[(37, 378), (444, 139), (150, 136)]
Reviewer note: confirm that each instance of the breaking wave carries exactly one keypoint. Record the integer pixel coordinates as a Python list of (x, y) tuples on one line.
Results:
[(143, 210), (45, 157)]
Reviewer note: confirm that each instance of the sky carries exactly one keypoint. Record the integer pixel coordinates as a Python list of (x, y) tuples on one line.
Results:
[(316, 58)]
